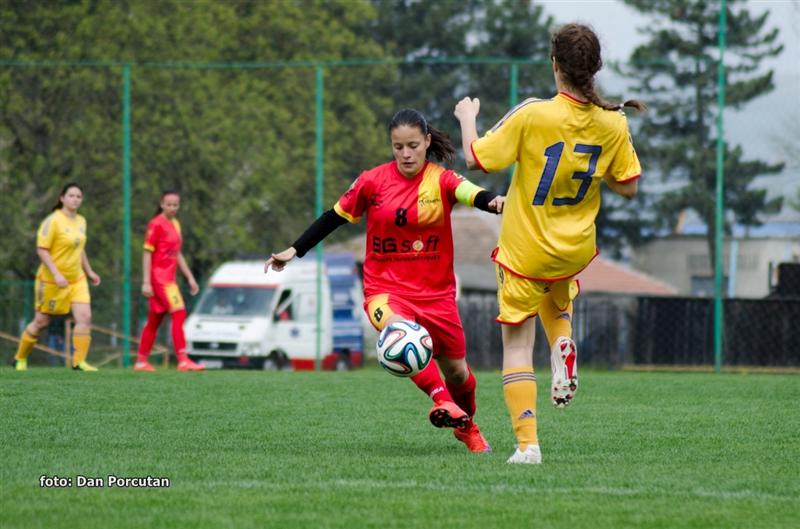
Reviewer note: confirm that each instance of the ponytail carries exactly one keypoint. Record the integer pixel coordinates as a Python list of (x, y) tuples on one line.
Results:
[(591, 94), (576, 50), (441, 147)]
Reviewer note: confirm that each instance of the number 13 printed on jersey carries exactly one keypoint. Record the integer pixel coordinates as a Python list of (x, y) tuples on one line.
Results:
[(553, 155)]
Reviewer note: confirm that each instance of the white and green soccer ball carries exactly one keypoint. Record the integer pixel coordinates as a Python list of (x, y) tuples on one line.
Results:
[(404, 348)]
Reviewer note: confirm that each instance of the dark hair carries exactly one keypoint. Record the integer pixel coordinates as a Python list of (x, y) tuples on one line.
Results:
[(163, 194), (576, 50), (59, 204), (441, 148)]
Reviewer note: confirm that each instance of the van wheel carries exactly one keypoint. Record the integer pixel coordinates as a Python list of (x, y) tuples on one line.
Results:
[(275, 361)]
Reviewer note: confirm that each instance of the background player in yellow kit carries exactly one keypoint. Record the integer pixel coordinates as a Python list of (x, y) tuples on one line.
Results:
[(563, 148), (61, 282)]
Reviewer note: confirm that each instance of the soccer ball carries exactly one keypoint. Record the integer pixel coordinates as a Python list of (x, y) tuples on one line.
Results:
[(404, 348)]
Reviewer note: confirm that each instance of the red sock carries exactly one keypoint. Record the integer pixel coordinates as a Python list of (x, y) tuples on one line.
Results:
[(178, 339), (430, 381), (464, 394), (149, 332)]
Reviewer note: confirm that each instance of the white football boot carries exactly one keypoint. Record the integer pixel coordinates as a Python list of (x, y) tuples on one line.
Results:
[(530, 456), (564, 364)]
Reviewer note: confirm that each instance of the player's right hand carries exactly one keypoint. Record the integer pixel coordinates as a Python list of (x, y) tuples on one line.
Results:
[(279, 260), (147, 290), (61, 281)]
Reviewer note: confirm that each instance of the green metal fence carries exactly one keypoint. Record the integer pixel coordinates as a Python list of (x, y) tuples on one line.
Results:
[(324, 79)]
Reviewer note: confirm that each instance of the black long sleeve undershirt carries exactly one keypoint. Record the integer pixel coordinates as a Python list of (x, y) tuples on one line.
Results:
[(482, 200), (330, 220), (319, 229)]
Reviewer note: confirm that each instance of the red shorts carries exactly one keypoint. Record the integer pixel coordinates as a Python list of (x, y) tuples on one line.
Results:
[(439, 316), (166, 298)]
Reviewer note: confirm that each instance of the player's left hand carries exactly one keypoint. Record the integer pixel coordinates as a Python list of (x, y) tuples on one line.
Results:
[(94, 278), (497, 203), (193, 288), (468, 108)]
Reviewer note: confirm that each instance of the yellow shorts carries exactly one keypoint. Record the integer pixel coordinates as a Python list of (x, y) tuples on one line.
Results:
[(519, 298), (166, 298), (52, 299)]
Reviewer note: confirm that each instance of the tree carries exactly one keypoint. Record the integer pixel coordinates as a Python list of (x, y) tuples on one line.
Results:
[(677, 69), (473, 29), (238, 144)]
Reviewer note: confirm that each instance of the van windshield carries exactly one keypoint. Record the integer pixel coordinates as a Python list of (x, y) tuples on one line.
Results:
[(236, 301)]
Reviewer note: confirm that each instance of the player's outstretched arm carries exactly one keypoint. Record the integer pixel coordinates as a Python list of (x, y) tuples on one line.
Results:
[(319, 229), (466, 112)]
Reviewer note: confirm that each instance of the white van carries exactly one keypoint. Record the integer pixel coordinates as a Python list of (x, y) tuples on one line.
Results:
[(246, 318)]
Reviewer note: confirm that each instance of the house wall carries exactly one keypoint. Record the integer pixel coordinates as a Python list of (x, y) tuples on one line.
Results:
[(683, 262)]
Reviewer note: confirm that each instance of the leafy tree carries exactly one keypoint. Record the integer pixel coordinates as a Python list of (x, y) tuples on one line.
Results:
[(438, 31), (238, 144), (677, 69)]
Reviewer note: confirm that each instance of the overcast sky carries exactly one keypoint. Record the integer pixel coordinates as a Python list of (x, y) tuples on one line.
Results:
[(762, 125)]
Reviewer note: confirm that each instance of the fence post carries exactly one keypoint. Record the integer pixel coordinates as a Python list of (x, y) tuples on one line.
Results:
[(719, 213), (126, 213), (513, 97), (320, 151)]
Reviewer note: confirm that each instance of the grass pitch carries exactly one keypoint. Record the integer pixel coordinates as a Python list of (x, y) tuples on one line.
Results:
[(352, 450)]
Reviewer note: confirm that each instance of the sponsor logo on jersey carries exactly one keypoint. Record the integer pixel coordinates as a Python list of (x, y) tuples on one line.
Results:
[(427, 202), (388, 245)]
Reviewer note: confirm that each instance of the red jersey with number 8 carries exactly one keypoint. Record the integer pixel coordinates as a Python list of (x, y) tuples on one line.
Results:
[(163, 240), (409, 250)]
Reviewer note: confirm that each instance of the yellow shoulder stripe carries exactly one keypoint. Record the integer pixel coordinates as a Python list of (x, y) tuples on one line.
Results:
[(345, 215)]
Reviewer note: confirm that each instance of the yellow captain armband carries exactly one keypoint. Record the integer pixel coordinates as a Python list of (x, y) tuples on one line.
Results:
[(466, 193)]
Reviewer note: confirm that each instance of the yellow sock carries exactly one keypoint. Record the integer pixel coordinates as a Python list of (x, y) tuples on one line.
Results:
[(26, 343), (556, 322), (519, 390), (81, 343)]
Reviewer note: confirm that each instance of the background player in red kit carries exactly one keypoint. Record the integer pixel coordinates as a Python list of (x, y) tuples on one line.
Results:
[(161, 256), (408, 266)]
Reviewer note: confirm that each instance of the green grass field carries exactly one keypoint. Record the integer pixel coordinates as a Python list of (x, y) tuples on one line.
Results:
[(352, 450)]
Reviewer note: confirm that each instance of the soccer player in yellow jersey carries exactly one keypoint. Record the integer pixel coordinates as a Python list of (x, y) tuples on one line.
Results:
[(563, 147), (61, 282)]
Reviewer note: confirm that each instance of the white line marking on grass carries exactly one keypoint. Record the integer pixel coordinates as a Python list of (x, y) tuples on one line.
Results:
[(495, 488)]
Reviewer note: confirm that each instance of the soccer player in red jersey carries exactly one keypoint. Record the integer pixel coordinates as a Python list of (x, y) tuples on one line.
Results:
[(161, 257), (408, 266)]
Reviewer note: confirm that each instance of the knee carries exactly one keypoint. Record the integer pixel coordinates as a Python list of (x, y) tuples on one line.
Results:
[(455, 373), (83, 320), (39, 323)]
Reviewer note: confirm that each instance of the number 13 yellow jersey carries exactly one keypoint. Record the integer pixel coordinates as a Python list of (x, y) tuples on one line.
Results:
[(562, 148)]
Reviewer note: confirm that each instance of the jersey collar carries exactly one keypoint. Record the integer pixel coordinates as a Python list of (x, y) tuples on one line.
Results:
[(574, 100), (397, 172)]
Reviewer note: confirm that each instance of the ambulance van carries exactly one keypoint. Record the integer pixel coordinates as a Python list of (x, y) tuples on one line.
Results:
[(246, 318)]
